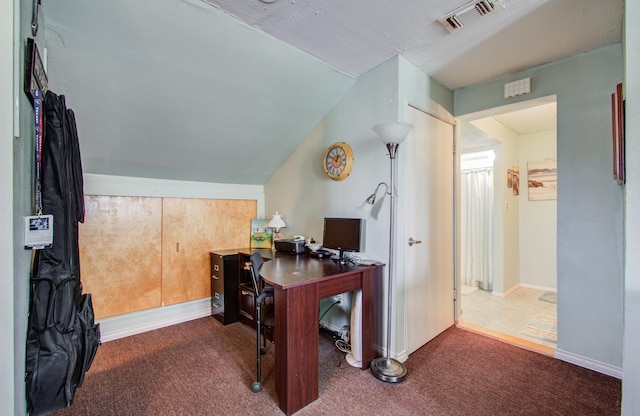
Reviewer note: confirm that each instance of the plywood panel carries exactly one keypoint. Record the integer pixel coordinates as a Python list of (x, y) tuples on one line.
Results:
[(191, 229), (120, 253)]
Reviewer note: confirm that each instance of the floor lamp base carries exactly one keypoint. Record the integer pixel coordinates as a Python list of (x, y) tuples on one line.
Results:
[(388, 369)]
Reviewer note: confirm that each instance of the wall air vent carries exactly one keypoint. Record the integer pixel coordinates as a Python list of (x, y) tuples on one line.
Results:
[(469, 13)]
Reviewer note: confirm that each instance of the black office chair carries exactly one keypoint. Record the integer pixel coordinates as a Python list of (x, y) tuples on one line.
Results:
[(264, 313)]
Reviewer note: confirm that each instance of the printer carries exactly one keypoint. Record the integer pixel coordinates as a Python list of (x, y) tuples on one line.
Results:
[(290, 245)]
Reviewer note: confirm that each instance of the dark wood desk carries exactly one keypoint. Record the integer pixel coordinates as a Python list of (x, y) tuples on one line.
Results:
[(300, 282)]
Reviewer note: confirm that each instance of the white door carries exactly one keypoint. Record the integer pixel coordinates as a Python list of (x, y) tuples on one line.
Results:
[(430, 220)]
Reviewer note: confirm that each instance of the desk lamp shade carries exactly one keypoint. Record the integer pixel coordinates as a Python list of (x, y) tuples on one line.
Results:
[(371, 206), (276, 223)]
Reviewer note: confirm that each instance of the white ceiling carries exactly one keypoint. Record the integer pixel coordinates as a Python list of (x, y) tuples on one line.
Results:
[(205, 91), (533, 118), (530, 120), (357, 35)]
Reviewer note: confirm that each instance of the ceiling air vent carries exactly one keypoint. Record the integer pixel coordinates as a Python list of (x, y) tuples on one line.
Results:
[(469, 13)]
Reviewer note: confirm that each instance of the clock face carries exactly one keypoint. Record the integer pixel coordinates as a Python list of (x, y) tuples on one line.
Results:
[(338, 161)]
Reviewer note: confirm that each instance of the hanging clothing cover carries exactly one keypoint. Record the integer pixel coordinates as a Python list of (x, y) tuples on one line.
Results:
[(62, 338)]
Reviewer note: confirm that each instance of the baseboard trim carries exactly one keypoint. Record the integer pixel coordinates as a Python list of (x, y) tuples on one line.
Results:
[(125, 325), (545, 288), (559, 354), (589, 363), (518, 285), (507, 293)]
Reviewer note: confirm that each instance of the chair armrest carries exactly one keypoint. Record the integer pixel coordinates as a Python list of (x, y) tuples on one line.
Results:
[(267, 292)]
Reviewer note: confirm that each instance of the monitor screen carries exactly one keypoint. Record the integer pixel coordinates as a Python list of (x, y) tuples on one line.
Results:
[(343, 234)]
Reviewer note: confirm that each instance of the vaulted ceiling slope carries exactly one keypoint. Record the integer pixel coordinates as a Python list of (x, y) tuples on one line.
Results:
[(224, 90), (177, 90)]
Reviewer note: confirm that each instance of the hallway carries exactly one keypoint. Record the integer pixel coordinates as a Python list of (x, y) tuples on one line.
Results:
[(512, 318)]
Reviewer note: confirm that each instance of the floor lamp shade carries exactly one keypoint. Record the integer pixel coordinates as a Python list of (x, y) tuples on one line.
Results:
[(393, 132)]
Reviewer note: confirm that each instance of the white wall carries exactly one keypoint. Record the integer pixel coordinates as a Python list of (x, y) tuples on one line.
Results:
[(537, 220), (506, 255), (631, 379), (590, 239), (129, 186)]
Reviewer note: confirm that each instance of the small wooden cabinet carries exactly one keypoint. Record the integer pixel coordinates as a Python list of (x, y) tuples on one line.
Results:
[(224, 286), (232, 294)]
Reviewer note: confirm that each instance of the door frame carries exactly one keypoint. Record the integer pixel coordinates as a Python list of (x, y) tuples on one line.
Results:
[(402, 230)]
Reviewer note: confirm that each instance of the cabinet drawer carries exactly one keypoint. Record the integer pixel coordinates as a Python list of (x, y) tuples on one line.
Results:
[(217, 304), (217, 284), (247, 305), (217, 266)]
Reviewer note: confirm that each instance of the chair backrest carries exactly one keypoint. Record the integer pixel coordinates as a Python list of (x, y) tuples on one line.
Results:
[(256, 265)]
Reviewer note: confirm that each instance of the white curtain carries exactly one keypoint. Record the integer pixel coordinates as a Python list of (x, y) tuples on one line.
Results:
[(476, 227)]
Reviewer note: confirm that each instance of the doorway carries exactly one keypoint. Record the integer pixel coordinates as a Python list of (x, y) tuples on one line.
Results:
[(507, 253)]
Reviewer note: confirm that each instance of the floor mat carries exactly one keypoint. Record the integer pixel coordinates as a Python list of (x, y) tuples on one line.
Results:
[(542, 327), (551, 297)]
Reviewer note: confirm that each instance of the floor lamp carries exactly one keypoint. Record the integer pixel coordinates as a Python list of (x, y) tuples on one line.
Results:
[(386, 368)]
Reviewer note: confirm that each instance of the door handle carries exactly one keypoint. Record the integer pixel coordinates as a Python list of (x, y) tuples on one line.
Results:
[(412, 241)]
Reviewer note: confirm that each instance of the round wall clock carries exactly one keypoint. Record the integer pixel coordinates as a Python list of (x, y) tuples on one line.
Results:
[(338, 161)]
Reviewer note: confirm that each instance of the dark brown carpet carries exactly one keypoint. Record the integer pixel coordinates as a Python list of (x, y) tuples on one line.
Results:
[(204, 368)]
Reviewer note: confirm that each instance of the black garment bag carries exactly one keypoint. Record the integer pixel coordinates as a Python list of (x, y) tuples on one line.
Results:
[(62, 337)]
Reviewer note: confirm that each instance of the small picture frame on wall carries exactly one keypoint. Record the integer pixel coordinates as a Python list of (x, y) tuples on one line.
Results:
[(509, 178), (515, 180), (261, 234), (617, 130)]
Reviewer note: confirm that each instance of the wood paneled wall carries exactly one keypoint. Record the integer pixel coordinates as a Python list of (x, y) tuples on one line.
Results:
[(142, 252)]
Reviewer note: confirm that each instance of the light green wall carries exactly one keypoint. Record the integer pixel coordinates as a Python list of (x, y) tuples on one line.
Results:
[(631, 364), (8, 375), (17, 174), (304, 195), (590, 239), (301, 191)]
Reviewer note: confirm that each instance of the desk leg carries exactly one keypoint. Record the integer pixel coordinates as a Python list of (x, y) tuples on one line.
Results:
[(371, 315), (296, 344)]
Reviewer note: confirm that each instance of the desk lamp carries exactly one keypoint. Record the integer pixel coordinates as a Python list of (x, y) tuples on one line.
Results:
[(276, 223), (386, 368)]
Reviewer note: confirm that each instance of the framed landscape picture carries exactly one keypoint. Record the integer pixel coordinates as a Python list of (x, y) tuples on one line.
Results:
[(542, 178), (261, 234)]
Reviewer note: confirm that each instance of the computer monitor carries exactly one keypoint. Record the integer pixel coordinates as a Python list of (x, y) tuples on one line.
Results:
[(342, 234)]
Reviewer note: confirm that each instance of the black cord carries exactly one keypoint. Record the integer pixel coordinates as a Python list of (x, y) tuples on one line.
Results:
[(328, 309)]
